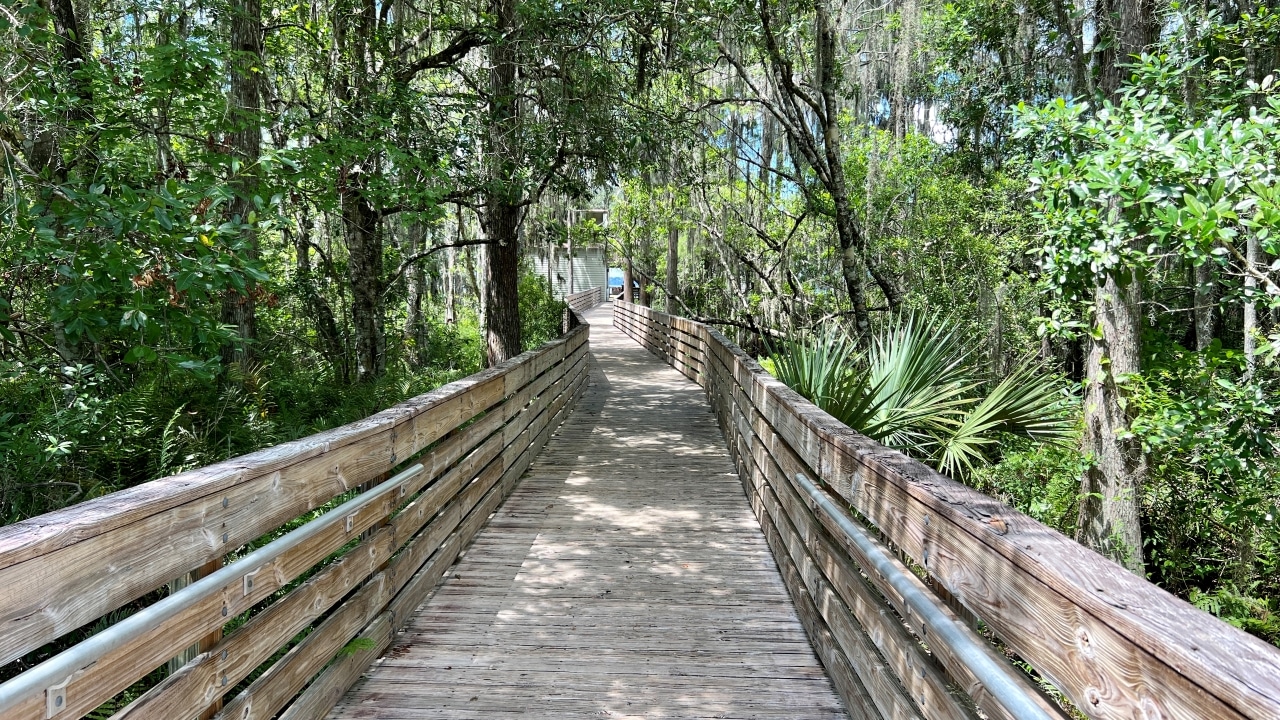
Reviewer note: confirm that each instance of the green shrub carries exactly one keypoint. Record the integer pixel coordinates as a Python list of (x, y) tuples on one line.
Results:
[(1241, 609), (541, 314), (1042, 481), (917, 388), (69, 434)]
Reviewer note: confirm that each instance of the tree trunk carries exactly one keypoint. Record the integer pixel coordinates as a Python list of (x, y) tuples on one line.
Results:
[(501, 283), (317, 306), (852, 242), (1206, 306), (995, 340), (1253, 256), (450, 292), (502, 211), (551, 263), (67, 25), (415, 325), (45, 154), (246, 143), (691, 236), (852, 270), (627, 273), (474, 284), (1072, 35), (502, 332), (1125, 29), (1110, 487), (470, 280), (673, 265), (364, 252)]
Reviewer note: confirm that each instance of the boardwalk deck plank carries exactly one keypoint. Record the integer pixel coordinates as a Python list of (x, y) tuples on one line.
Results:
[(625, 577)]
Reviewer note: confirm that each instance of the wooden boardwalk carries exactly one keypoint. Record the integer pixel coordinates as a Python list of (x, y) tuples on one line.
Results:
[(625, 577)]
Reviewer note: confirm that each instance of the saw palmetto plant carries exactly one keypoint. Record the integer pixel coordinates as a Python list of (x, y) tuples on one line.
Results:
[(915, 387)]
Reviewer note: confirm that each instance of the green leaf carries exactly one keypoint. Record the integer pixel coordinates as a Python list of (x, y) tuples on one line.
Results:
[(141, 354)]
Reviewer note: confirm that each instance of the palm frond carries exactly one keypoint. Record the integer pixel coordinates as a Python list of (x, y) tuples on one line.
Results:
[(918, 389), (818, 366), (916, 384), (1028, 402)]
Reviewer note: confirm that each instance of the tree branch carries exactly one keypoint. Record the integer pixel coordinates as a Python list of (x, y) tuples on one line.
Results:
[(463, 43), (1251, 271), (419, 256)]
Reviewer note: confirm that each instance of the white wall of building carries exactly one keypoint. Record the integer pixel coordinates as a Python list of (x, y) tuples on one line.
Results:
[(589, 268)]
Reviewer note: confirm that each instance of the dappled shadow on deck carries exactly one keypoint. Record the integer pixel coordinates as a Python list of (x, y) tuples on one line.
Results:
[(625, 577)]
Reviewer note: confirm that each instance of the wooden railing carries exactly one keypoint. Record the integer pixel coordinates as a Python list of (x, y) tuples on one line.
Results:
[(583, 301), (316, 600), (886, 560)]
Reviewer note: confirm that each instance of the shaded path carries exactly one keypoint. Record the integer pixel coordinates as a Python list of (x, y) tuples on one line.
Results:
[(625, 577)]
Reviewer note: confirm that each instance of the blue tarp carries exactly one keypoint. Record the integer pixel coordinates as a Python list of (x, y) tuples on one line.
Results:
[(615, 277)]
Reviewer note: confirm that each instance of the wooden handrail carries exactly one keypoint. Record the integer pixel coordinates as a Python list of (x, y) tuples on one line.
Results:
[(583, 301), (393, 543), (1114, 644)]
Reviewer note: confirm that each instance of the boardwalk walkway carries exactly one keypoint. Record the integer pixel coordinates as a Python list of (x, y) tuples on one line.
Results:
[(625, 577)]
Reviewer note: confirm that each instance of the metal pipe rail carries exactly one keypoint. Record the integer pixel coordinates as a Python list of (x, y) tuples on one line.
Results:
[(999, 679), (51, 677), (894, 591), (330, 592)]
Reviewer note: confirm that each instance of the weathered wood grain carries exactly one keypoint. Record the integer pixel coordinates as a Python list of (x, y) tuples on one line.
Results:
[(254, 642), (581, 302), (857, 700), (265, 697), (46, 596), (877, 678), (329, 686), (625, 564), (828, 573), (405, 582), (780, 466), (103, 675), (1116, 645), (543, 389), (327, 689)]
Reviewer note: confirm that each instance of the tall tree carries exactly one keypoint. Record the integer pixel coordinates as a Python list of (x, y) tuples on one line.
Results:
[(244, 116), (808, 108), (1110, 487), (503, 196)]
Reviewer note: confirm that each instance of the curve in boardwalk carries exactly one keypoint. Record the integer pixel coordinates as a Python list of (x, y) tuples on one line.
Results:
[(625, 577)]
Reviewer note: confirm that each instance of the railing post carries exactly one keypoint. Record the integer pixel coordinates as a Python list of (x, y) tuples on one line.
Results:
[(206, 643)]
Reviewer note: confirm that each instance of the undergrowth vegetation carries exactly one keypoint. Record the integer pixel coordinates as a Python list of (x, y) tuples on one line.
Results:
[(917, 388), (72, 433)]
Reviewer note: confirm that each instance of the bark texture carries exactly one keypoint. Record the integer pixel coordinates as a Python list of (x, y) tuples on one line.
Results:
[(502, 210), (1111, 486), (811, 126), (415, 325), (319, 309), (1206, 306), (240, 310), (364, 262), (1109, 509), (673, 266)]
